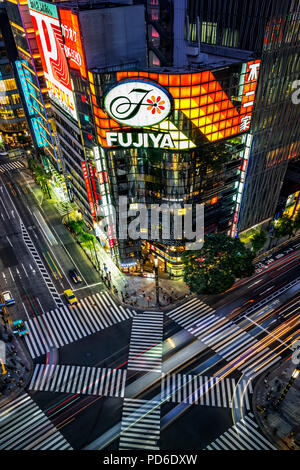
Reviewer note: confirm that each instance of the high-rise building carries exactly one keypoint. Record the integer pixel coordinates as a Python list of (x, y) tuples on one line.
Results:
[(170, 103), (270, 30), (13, 125), (32, 83)]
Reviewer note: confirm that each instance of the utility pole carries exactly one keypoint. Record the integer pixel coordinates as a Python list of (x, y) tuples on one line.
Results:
[(156, 280)]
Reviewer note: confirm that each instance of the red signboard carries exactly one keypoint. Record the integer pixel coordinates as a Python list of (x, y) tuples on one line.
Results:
[(72, 41), (88, 189)]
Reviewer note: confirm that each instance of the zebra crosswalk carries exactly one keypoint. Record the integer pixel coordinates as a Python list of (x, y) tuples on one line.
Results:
[(206, 391), (226, 338), (145, 351), (243, 436), (65, 325), (23, 426), (79, 379), (48, 281), (11, 166), (140, 426)]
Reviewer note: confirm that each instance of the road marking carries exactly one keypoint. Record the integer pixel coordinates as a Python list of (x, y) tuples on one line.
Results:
[(26, 427)]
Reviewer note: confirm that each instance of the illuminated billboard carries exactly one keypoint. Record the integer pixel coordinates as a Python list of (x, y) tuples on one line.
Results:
[(72, 41), (192, 106), (28, 99), (50, 43)]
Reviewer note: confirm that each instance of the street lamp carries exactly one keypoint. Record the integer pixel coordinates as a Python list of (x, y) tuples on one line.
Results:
[(156, 279), (295, 374)]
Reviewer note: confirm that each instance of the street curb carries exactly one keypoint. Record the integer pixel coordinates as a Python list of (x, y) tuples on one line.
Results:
[(26, 358), (258, 416)]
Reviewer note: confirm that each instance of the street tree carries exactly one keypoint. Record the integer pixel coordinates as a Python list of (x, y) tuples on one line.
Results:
[(258, 240), (297, 221), (214, 268), (283, 226), (89, 240), (76, 226)]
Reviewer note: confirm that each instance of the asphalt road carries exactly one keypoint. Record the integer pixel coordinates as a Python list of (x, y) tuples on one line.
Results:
[(107, 378)]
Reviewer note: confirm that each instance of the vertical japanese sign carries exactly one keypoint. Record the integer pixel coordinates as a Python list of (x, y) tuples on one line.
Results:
[(72, 41), (89, 190), (250, 85), (50, 43)]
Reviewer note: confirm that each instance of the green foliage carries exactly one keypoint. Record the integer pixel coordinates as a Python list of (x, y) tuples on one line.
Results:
[(40, 175), (214, 268), (283, 227), (76, 226), (297, 220), (258, 240)]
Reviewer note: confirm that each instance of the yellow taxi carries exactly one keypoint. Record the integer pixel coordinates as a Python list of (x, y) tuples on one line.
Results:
[(70, 297)]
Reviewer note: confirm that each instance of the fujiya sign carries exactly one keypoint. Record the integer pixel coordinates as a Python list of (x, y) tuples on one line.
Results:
[(126, 139), (137, 103)]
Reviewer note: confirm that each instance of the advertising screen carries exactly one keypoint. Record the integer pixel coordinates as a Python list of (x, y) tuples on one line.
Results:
[(72, 41), (174, 110), (50, 43)]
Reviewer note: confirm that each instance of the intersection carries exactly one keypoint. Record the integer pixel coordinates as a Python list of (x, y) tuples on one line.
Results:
[(109, 376)]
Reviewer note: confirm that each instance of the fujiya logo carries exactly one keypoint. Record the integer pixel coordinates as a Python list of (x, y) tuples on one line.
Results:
[(138, 103)]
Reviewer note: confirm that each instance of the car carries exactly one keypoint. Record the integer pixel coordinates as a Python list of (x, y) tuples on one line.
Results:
[(74, 276), (19, 328), (8, 298), (70, 297)]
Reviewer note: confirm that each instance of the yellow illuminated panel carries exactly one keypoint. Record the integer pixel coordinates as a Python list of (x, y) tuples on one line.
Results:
[(199, 97)]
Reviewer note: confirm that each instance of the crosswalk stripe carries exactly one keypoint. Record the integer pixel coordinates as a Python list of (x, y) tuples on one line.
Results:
[(203, 390), (24, 426), (140, 425), (145, 351), (65, 325), (32, 250), (79, 380), (10, 166), (242, 436), (223, 336)]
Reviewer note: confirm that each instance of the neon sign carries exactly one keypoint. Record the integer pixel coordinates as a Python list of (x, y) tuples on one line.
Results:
[(72, 41), (39, 132), (50, 44), (22, 78)]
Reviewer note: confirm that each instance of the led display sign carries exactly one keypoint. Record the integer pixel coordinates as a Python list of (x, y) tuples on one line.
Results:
[(24, 86), (50, 43), (72, 41), (39, 132), (199, 104)]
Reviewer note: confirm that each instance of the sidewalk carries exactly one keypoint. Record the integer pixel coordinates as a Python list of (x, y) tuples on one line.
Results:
[(282, 425), (18, 366), (138, 291)]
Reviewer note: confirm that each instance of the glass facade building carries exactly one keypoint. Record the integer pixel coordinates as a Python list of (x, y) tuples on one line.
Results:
[(212, 121), (13, 123), (270, 32), (31, 77)]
